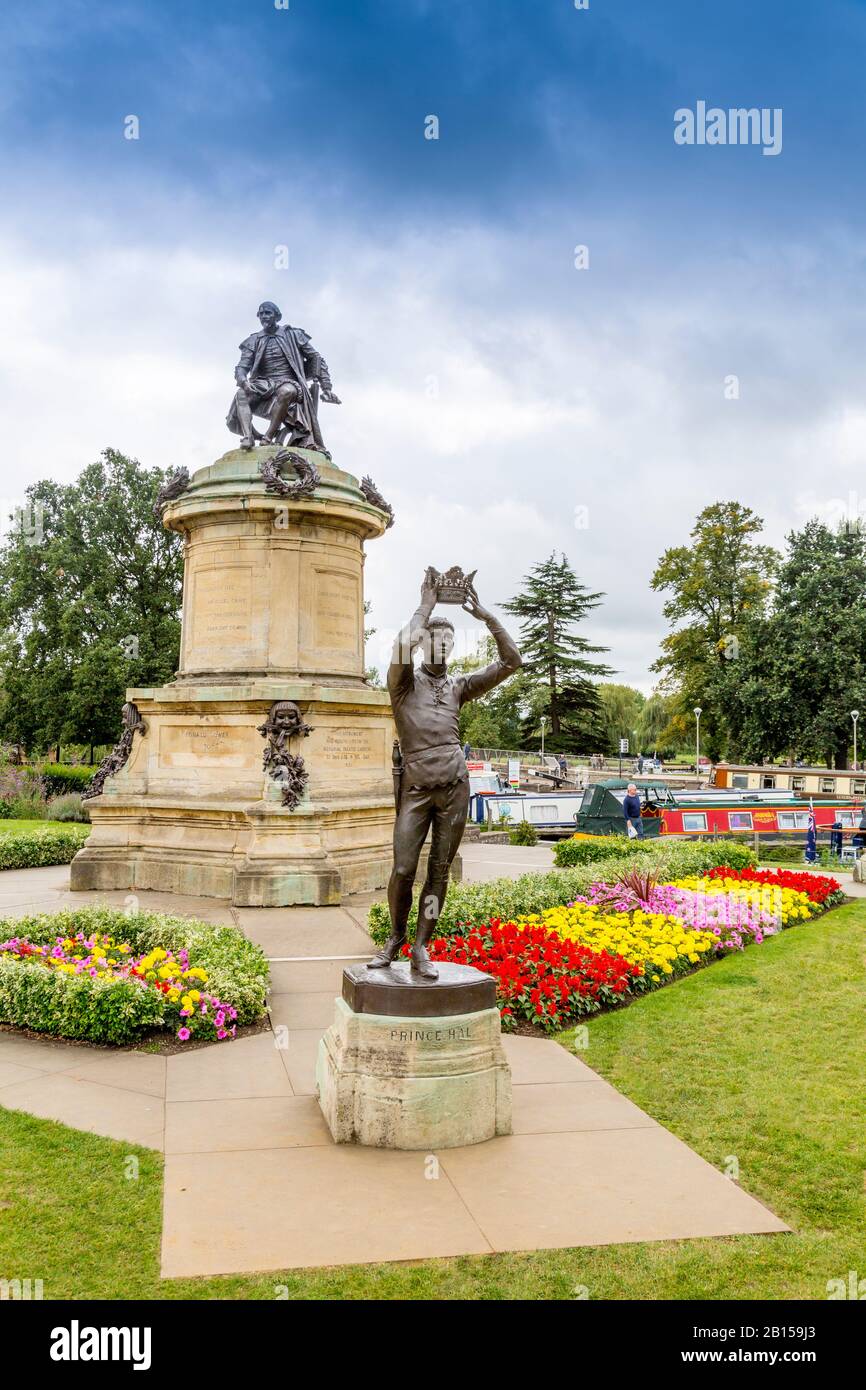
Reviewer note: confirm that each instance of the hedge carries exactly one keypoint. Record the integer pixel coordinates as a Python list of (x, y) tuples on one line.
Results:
[(515, 897), (568, 852), (76, 1006), (116, 1011), (56, 843), (58, 778)]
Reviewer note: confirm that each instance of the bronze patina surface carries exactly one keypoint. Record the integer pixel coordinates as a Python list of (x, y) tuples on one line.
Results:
[(405, 993)]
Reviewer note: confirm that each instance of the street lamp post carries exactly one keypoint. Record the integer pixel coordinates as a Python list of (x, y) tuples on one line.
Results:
[(698, 713), (855, 715)]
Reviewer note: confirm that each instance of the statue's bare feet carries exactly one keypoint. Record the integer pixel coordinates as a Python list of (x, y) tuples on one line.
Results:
[(388, 954), (422, 964), (247, 442)]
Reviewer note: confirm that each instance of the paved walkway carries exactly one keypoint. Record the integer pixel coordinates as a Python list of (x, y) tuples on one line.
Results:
[(253, 1180)]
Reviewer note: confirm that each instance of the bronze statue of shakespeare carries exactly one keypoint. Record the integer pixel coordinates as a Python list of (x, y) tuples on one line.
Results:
[(281, 377), (433, 781)]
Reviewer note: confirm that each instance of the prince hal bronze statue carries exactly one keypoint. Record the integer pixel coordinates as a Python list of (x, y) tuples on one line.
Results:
[(433, 780)]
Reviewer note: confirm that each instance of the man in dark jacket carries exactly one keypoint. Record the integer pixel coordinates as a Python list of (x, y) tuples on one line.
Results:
[(631, 810)]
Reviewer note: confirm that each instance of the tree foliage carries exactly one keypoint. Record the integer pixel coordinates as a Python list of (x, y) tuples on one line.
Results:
[(716, 586), (558, 674), (620, 709), (801, 668), (90, 595)]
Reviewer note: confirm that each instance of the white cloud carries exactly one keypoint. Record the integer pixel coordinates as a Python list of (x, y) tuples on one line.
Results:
[(488, 389)]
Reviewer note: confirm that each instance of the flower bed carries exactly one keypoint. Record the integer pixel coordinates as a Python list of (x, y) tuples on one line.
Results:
[(103, 976), (553, 968), (508, 899), (819, 888)]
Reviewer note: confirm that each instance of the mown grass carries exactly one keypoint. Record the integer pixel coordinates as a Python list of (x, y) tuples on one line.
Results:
[(757, 1059)]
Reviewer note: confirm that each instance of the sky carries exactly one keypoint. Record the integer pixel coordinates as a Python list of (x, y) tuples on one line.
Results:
[(509, 396)]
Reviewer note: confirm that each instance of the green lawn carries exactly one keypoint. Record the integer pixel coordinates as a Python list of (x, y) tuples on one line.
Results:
[(11, 827), (759, 1057)]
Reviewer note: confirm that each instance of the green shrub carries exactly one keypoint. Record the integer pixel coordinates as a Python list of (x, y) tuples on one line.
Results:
[(568, 852), (524, 833), (76, 1006), (59, 778), (786, 854), (34, 849), (507, 898), (68, 808), (116, 1010)]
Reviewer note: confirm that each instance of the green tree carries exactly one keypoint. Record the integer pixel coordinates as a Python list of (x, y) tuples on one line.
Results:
[(557, 671), (653, 722), (716, 585), (496, 720), (90, 594), (620, 708), (801, 669)]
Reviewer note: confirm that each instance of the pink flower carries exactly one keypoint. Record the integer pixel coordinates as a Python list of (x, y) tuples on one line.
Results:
[(183, 1034)]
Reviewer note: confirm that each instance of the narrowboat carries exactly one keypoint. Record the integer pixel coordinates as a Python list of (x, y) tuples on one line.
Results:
[(666, 811)]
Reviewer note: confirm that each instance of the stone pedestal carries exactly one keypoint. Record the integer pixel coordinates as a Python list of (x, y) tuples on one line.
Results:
[(414, 1064), (273, 609)]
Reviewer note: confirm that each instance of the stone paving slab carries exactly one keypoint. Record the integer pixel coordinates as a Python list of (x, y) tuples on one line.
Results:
[(561, 1107), (303, 931), (299, 1058), (225, 1126), (89, 1105), (295, 1208), (228, 1071), (302, 1011), (599, 1187)]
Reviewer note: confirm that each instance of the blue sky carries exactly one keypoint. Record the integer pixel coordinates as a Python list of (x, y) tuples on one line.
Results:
[(489, 386)]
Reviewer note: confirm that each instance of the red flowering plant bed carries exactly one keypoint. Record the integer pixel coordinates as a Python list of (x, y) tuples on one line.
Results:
[(540, 977), (819, 888)]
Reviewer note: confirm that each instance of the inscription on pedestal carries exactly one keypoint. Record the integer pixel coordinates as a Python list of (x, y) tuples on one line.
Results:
[(337, 609), (187, 745), (222, 605), (348, 749), (407, 1035)]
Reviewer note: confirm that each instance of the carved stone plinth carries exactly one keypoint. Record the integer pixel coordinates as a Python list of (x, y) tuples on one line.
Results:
[(433, 1078), (273, 611)]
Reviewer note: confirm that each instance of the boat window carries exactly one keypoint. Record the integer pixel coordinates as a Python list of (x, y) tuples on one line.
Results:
[(850, 818), (739, 820), (798, 784), (793, 820), (543, 811), (587, 798), (768, 782), (828, 785), (858, 788), (739, 779), (694, 820)]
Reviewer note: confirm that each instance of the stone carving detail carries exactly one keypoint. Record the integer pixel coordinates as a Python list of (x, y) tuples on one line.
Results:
[(171, 488), (285, 722), (375, 498), (119, 756), (307, 480)]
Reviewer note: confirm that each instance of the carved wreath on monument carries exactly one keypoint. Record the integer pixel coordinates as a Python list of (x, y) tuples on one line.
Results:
[(285, 722), (307, 480), (173, 487)]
